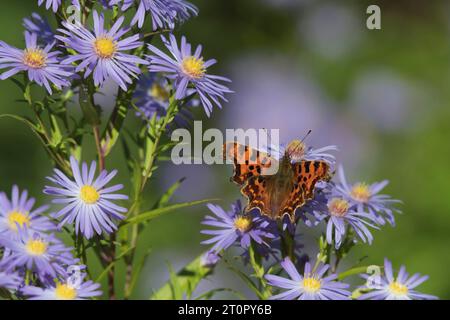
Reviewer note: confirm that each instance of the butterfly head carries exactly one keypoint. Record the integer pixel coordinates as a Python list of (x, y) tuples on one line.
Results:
[(295, 150)]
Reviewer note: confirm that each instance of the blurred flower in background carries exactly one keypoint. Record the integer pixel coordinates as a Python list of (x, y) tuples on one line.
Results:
[(386, 100), (332, 30)]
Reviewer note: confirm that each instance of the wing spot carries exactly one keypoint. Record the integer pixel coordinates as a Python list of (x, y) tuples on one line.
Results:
[(306, 166), (317, 164)]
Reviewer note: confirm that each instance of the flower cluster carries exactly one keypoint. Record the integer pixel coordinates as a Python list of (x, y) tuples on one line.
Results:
[(110, 51), (33, 257), (344, 212), (92, 50)]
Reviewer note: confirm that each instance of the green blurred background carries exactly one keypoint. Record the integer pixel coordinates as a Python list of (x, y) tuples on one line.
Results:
[(382, 96)]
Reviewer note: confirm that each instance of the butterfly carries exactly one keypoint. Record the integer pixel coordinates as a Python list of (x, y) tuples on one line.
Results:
[(275, 187)]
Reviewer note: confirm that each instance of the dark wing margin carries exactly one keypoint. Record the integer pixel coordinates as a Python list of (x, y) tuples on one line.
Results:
[(255, 192)]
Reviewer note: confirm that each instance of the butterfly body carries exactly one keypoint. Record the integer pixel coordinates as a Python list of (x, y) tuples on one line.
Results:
[(275, 192), (278, 187)]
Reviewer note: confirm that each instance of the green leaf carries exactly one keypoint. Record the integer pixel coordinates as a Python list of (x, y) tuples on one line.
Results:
[(353, 271), (27, 94), (152, 214), (175, 285), (248, 281), (186, 280), (57, 136), (165, 198)]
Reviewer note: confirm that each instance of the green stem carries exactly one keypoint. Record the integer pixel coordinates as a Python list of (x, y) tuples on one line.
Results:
[(158, 135), (148, 170), (100, 153)]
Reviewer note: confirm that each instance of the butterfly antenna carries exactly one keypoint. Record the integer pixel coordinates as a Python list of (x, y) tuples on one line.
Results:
[(306, 135)]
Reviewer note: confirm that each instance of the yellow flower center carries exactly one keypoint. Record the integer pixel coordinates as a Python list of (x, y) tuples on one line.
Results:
[(36, 247), (193, 67), (18, 218), (243, 224), (65, 292), (89, 194), (105, 47), (338, 207), (311, 285), (35, 58), (296, 150), (398, 289), (158, 92), (361, 192)]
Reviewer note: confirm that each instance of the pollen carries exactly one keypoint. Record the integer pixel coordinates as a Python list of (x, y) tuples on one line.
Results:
[(36, 247), (89, 194), (158, 92), (65, 292), (105, 47), (361, 192), (35, 58), (311, 285), (398, 289), (296, 150), (243, 223), (18, 218), (338, 207), (193, 67)]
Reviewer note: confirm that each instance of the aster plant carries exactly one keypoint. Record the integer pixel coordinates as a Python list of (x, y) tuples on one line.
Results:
[(94, 214)]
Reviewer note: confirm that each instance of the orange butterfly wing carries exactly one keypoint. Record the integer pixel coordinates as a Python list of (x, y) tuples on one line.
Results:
[(306, 175), (247, 162), (299, 189)]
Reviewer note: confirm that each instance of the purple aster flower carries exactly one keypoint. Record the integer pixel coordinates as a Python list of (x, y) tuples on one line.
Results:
[(10, 281), (102, 52), (66, 290), (396, 288), (40, 26), (299, 151), (43, 254), (152, 97), (341, 217), (367, 198), (87, 200), (53, 4), (18, 213), (188, 70), (311, 286), (233, 226), (164, 13), (43, 66), (311, 213)]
